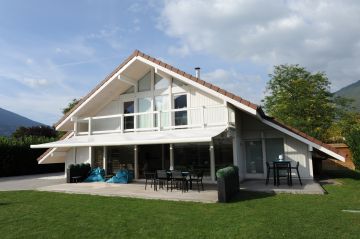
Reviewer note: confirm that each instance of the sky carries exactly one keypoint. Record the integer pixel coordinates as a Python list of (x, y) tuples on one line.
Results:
[(54, 51)]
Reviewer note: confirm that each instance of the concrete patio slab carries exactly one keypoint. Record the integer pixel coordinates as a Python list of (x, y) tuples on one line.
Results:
[(30, 182), (135, 190), (308, 187)]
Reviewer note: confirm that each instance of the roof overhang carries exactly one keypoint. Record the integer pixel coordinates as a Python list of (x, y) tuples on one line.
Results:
[(304, 140), (138, 138)]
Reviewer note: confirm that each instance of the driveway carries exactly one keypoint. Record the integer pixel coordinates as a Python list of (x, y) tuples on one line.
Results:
[(31, 182)]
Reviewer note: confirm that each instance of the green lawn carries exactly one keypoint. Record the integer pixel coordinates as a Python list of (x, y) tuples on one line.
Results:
[(30, 214)]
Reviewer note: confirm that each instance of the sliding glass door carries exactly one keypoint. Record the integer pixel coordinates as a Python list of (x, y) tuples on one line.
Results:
[(180, 102), (162, 104), (254, 157), (145, 120), (128, 120)]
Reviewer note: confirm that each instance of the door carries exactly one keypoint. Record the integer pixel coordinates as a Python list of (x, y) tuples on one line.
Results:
[(162, 104), (180, 102), (128, 120), (145, 120), (254, 158)]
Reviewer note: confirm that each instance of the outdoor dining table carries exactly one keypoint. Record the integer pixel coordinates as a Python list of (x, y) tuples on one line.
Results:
[(279, 165)]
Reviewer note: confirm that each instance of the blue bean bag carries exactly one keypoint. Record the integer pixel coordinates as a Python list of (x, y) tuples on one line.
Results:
[(122, 176), (96, 175)]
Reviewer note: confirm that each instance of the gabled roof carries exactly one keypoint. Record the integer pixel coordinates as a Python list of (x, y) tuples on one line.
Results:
[(167, 66), (234, 98)]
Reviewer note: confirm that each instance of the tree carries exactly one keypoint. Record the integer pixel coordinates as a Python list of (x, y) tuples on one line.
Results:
[(302, 100), (37, 131), (70, 105)]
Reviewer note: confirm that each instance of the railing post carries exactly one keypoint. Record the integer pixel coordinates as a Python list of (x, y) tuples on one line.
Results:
[(75, 126), (159, 120), (89, 126), (135, 123), (203, 116), (122, 123)]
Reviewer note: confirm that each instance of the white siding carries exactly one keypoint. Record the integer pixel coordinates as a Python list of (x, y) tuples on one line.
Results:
[(211, 115), (109, 124), (82, 156), (297, 151)]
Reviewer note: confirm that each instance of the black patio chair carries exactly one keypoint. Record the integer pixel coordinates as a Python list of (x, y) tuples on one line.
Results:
[(283, 169), (197, 177), (296, 167), (162, 177), (149, 176), (179, 180), (268, 169)]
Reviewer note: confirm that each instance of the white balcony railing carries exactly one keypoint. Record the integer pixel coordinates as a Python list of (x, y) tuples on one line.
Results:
[(199, 117)]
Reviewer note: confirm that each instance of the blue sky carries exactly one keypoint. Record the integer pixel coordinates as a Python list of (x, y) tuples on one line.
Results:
[(54, 51)]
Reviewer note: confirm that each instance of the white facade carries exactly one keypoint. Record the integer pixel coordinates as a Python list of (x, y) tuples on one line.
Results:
[(144, 97)]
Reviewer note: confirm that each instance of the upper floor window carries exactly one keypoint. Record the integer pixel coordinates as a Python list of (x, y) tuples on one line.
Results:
[(177, 83), (144, 83), (130, 90), (161, 82)]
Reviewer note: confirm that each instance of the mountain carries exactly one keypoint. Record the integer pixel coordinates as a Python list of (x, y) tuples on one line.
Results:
[(351, 91), (10, 121)]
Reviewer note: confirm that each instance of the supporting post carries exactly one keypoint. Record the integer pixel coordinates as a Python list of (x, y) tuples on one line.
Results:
[(203, 116), (91, 156), (89, 126), (105, 159), (171, 157), (136, 162), (212, 161), (310, 163)]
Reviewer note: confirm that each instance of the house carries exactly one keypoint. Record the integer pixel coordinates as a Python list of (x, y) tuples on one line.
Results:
[(149, 115)]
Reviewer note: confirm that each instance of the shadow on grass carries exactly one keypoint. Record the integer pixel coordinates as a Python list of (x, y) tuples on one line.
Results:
[(4, 203), (244, 195), (341, 173)]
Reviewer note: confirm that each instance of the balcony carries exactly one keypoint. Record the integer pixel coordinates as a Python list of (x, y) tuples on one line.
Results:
[(184, 118)]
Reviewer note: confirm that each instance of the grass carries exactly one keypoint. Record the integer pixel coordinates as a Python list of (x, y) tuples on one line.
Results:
[(31, 214)]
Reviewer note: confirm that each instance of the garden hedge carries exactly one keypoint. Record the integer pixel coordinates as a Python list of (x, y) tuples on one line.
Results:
[(228, 183), (17, 158)]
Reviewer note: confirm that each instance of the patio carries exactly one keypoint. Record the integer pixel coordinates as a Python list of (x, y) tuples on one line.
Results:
[(136, 190), (209, 195)]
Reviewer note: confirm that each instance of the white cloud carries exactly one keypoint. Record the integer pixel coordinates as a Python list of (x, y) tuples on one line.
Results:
[(33, 82), (321, 35)]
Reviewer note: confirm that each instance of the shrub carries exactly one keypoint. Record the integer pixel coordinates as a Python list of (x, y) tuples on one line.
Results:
[(353, 141), (17, 158), (228, 183)]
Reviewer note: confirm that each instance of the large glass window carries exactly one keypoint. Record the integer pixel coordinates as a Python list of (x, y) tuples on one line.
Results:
[(130, 90), (223, 148), (144, 121), (254, 157), (120, 157), (180, 102), (161, 104), (274, 148), (161, 82), (153, 157), (128, 120), (144, 83), (192, 156), (98, 157), (177, 83)]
